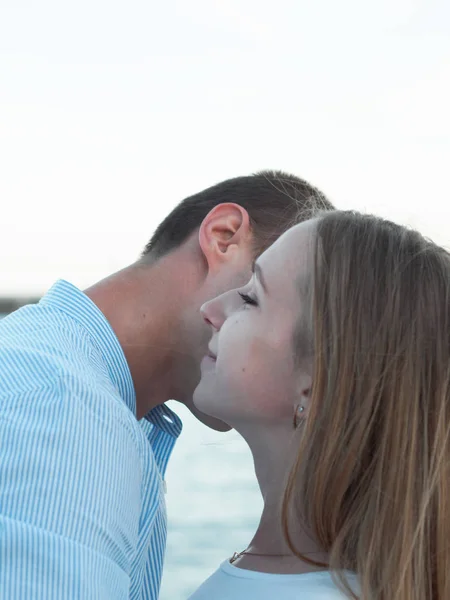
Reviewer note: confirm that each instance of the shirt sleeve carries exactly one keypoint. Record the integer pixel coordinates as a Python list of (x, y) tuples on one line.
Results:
[(70, 495)]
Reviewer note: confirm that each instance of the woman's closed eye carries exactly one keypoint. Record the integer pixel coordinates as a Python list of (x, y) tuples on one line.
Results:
[(248, 299)]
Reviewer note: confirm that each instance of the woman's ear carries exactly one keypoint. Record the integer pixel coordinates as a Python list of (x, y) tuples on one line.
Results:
[(224, 232), (302, 398)]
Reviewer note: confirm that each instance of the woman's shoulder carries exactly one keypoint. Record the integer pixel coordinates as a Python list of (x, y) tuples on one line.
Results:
[(232, 582)]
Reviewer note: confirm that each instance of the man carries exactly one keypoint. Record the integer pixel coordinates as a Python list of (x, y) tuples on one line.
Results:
[(85, 436)]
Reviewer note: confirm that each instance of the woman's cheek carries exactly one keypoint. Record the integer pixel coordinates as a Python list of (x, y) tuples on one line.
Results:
[(273, 369), (259, 378)]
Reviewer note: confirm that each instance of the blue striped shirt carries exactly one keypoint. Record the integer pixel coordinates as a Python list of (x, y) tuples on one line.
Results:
[(82, 511)]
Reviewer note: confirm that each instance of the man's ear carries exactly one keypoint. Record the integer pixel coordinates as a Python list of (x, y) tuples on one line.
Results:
[(224, 231)]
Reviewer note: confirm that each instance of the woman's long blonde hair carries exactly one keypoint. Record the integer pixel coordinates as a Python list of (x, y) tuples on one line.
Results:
[(373, 469)]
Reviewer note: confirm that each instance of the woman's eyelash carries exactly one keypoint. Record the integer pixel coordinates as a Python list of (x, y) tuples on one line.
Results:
[(248, 299)]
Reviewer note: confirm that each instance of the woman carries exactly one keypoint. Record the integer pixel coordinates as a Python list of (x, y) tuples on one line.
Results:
[(334, 365)]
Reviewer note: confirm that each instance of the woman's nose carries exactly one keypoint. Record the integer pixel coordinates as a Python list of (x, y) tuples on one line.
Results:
[(212, 314), (214, 311)]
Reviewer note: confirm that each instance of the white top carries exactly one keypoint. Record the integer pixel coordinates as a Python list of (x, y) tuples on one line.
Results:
[(230, 582)]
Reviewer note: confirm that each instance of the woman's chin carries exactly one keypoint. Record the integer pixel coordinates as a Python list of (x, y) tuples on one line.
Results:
[(200, 400), (204, 411)]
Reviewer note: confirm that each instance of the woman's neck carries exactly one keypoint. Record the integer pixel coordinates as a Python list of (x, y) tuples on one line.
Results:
[(274, 451)]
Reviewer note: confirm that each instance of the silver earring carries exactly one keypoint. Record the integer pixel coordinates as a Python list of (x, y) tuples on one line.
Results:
[(297, 413)]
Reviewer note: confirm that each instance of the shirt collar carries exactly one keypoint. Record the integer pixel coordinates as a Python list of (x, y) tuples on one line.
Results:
[(69, 299), (165, 419)]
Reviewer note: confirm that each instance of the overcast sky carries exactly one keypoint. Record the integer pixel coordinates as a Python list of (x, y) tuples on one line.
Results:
[(112, 112)]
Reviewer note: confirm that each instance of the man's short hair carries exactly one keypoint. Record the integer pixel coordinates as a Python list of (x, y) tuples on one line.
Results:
[(274, 200)]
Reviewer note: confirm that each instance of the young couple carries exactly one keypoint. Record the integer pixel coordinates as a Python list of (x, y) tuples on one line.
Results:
[(331, 356)]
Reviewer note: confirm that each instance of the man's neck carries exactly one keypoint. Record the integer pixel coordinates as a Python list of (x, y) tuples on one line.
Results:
[(143, 311)]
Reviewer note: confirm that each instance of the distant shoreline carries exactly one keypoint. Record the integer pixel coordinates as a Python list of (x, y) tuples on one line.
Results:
[(9, 305)]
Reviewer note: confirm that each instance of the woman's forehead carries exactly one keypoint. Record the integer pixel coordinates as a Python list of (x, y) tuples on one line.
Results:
[(292, 247), (288, 260)]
